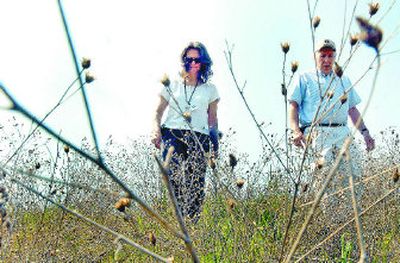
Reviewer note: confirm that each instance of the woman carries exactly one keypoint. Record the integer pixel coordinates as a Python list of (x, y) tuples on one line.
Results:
[(190, 124)]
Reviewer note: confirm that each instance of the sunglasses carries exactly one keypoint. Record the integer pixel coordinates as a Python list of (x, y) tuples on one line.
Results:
[(189, 60)]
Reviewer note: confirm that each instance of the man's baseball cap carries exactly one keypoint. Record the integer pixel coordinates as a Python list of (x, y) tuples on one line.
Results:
[(326, 44)]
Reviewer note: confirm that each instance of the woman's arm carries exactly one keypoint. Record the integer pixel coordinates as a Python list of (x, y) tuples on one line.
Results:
[(213, 126), (156, 135)]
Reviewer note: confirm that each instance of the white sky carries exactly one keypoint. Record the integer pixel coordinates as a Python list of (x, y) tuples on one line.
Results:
[(132, 43)]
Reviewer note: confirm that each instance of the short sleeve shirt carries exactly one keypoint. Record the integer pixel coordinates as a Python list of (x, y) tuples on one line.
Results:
[(193, 99), (307, 94)]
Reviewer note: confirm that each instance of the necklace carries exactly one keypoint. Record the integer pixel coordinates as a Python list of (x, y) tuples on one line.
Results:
[(191, 95), (187, 115)]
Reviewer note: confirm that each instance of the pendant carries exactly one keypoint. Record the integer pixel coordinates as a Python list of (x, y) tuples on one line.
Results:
[(187, 115)]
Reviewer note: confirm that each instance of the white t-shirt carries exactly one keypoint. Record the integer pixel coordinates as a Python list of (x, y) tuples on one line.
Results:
[(196, 101)]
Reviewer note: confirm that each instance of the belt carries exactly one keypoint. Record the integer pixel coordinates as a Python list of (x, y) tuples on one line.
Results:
[(303, 128)]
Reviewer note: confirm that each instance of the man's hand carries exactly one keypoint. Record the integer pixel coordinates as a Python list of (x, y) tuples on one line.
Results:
[(298, 138)]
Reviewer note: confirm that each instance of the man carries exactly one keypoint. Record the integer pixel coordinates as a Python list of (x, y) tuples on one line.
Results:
[(327, 99), (334, 99)]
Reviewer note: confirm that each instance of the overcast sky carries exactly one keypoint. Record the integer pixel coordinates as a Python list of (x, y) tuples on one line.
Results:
[(133, 43)]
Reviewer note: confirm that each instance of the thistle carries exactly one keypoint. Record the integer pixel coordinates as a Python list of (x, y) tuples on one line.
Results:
[(343, 98), (231, 203), (283, 90), (353, 40), (396, 175), (152, 238), (305, 188), (295, 66), (122, 203), (320, 163), (338, 70), (211, 163), (330, 94), (373, 8), (165, 80), (316, 21), (89, 77), (66, 149), (85, 63), (285, 47), (240, 183), (370, 34), (232, 161)]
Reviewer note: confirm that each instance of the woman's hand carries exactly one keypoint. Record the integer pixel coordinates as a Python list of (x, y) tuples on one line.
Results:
[(156, 137)]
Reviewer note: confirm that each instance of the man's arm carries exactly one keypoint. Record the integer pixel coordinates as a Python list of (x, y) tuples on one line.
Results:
[(298, 137), (355, 116)]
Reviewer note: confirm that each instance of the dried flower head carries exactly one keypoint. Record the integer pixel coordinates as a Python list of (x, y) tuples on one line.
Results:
[(295, 66), (316, 21), (187, 116), (319, 163), (211, 163), (165, 80), (283, 89), (396, 175), (330, 94), (285, 47), (239, 183), (85, 63), (66, 149), (370, 34), (338, 70), (89, 77), (231, 203), (305, 188), (152, 238), (232, 161), (353, 40), (343, 98), (122, 203), (373, 8), (37, 166)]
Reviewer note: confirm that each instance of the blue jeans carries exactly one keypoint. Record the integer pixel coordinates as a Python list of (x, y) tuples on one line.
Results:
[(187, 168)]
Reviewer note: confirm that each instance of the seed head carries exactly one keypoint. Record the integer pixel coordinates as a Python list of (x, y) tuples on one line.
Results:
[(343, 98), (239, 183), (305, 188), (338, 70), (85, 63), (285, 47), (165, 80), (396, 175), (122, 203), (231, 203), (283, 89), (373, 8), (211, 163), (37, 166), (89, 77), (370, 34), (320, 163), (295, 66), (66, 149), (232, 161), (152, 238), (187, 116), (330, 94), (353, 40), (316, 21)]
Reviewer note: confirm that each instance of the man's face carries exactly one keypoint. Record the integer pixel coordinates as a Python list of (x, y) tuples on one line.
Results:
[(325, 60)]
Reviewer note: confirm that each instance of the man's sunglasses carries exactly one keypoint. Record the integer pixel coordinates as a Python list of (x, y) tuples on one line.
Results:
[(189, 60)]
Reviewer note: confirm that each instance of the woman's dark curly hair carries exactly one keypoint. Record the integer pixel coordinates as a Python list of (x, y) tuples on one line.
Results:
[(206, 62)]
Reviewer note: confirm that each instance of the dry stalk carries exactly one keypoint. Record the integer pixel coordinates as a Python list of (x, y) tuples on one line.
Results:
[(178, 214)]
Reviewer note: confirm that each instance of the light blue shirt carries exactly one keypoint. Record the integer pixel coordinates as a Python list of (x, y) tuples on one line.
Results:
[(307, 94)]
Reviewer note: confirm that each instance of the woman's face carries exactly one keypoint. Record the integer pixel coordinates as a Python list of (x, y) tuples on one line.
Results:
[(192, 59)]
